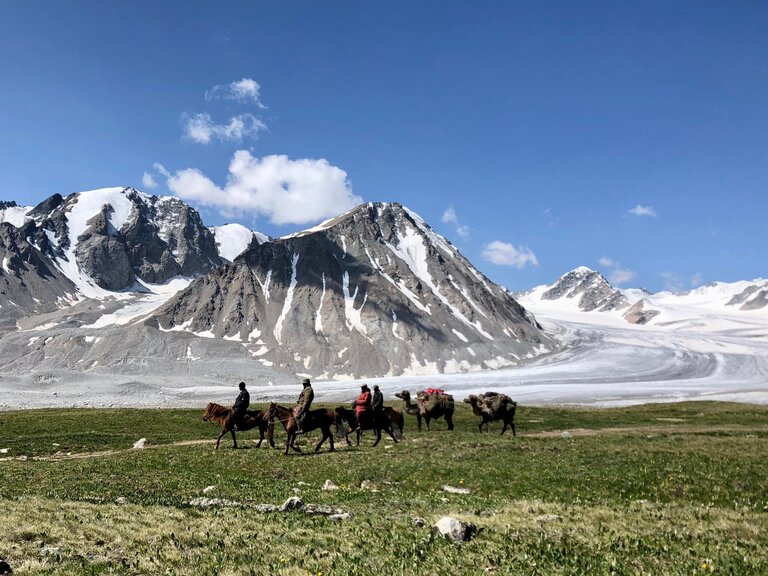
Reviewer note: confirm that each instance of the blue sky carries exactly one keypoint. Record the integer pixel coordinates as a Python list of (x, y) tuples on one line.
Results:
[(631, 137)]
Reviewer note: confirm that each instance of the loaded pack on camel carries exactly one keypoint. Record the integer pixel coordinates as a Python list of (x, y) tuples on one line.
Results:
[(493, 406), (430, 404)]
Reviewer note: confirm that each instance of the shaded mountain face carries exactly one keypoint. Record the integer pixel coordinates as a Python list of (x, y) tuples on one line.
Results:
[(29, 283), (372, 292), (112, 238), (593, 291)]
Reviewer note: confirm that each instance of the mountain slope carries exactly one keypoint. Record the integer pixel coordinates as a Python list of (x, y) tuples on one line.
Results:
[(372, 292)]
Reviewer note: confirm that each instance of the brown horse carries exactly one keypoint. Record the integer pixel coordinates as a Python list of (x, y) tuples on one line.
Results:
[(315, 419), (386, 420), (223, 417)]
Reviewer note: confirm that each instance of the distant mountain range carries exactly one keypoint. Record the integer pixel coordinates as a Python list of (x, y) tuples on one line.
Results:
[(583, 290)]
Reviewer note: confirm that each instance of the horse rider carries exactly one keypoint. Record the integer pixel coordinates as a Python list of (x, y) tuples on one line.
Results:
[(303, 405), (363, 406), (240, 406), (377, 401)]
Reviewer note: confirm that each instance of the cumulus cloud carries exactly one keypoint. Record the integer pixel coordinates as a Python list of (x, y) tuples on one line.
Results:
[(505, 254), (148, 181), (245, 91), (617, 275), (202, 129), (285, 191), (450, 217), (641, 210)]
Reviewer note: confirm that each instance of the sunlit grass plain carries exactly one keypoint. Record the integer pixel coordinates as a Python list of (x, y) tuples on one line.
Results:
[(655, 489)]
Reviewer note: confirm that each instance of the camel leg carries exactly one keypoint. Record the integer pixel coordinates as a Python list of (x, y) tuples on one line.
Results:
[(418, 421), (218, 440)]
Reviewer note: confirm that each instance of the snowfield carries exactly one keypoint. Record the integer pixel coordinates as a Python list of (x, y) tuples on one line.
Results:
[(604, 362)]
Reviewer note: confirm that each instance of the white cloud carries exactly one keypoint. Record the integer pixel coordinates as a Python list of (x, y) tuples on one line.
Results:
[(148, 181), (621, 276), (450, 217), (640, 210), (697, 280), (617, 275), (505, 254), (246, 91), (201, 128), (672, 282), (285, 191)]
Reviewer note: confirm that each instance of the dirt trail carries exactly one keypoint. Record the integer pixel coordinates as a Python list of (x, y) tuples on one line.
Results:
[(574, 432)]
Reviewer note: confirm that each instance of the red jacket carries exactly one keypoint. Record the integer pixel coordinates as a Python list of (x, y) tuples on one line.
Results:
[(363, 403)]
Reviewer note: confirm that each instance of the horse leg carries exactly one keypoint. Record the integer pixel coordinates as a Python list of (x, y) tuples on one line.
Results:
[(449, 419), (234, 439), (218, 440), (330, 439), (271, 434), (261, 436), (426, 421)]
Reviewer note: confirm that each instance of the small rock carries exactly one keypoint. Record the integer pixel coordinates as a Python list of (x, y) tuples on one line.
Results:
[(565, 435), (454, 529), (139, 444), (50, 551), (300, 483), (485, 514), (4, 450), (322, 510), (338, 517), (293, 503), (455, 490), (265, 508), (206, 502), (209, 489), (22, 458), (418, 521), (367, 485), (297, 490), (122, 500), (330, 485)]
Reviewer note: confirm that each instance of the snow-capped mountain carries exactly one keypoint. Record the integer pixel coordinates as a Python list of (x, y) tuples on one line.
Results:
[(234, 239), (120, 240), (372, 292), (583, 290)]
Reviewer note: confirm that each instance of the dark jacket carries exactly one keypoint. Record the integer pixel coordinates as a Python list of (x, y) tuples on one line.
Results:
[(378, 401), (241, 403)]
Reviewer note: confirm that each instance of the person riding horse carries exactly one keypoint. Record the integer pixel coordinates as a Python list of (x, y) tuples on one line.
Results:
[(240, 407), (377, 401), (303, 404), (363, 406)]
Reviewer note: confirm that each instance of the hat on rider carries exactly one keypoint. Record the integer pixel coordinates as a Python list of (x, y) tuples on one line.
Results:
[(306, 381)]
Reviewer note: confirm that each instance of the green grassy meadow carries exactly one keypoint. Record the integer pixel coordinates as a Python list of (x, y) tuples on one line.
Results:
[(655, 489)]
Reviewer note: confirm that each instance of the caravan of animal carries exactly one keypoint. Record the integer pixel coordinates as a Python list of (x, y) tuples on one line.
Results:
[(430, 404)]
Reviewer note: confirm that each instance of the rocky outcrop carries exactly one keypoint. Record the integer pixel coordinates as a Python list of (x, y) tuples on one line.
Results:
[(639, 314), (753, 297)]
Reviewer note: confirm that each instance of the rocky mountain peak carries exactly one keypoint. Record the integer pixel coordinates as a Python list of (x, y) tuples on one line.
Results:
[(590, 287), (374, 291)]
